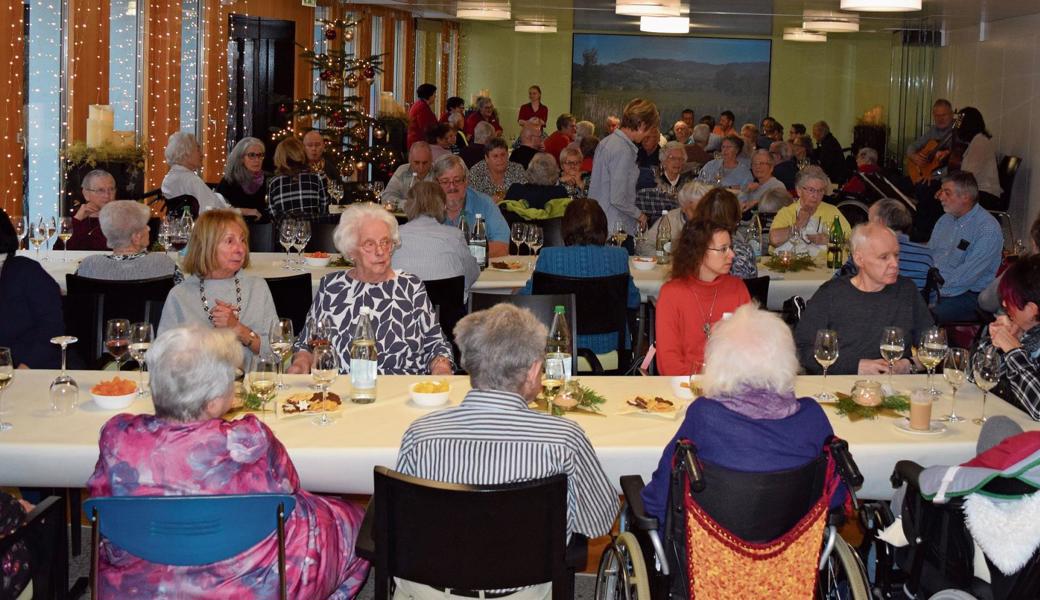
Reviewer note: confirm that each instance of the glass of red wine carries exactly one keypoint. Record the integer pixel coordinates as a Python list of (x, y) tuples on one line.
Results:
[(117, 339)]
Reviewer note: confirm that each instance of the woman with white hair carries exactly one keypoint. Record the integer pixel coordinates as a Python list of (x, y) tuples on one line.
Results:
[(762, 170), (672, 178), (409, 339), (542, 185), (810, 219), (474, 151), (125, 225), (571, 177), (187, 448), (749, 418), (687, 197), (244, 184), (866, 164), (184, 155)]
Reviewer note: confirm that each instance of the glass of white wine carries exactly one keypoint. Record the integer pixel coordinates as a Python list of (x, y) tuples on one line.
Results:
[(987, 373), (6, 377), (931, 351), (324, 370), (65, 234), (262, 380), (51, 228), (140, 341), (281, 344), (552, 380), (892, 345), (37, 236), (825, 351), (954, 371)]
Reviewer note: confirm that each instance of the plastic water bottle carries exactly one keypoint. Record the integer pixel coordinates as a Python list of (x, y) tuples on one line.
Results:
[(363, 359), (558, 349), (664, 239), (478, 242)]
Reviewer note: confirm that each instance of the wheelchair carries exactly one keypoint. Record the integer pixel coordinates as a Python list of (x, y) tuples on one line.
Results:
[(644, 562)]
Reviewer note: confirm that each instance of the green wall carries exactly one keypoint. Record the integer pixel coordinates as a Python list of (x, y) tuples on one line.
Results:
[(836, 81)]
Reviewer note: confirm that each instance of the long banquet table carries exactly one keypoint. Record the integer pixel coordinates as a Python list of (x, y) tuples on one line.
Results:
[(43, 450), (270, 265)]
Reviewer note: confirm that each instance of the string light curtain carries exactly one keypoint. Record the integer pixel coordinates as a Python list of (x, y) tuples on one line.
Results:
[(163, 72), (124, 58), (213, 90), (11, 116), (46, 119)]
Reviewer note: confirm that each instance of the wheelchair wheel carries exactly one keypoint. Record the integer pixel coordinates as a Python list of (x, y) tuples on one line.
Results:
[(622, 571), (843, 577)]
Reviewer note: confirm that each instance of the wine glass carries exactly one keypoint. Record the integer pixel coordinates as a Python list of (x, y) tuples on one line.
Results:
[(262, 380), (954, 372), (117, 339), (535, 239), (180, 230), (319, 330), (64, 389), (377, 190), (324, 370), (140, 341), (303, 235), (21, 229), (892, 346), (51, 227), (640, 232), (286, 237), (619, 234), (826, 353), (6, 377), (987, 374), (163, 235), (65, 234), (281, 344), (518, 234), (931, 352), (37, 236)]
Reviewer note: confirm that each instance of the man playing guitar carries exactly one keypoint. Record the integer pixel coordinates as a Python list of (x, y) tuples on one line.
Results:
[(929, 152)]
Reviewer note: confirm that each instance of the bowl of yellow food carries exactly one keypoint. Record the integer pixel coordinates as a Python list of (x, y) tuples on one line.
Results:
[(430, 394)]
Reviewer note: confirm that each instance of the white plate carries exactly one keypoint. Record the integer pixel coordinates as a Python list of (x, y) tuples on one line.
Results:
[(682, 392), (935, 428), (516, 270)]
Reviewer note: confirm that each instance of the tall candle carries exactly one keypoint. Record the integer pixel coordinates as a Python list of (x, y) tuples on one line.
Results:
[(99, 124)]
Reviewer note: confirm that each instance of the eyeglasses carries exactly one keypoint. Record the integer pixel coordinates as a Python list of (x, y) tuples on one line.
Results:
[(721, 250), (572, 163), (370, 246), (452, 182), (107, 190), (255, 155), (813, 190)]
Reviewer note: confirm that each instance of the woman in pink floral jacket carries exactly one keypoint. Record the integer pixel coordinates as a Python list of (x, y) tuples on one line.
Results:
[(186, 448)]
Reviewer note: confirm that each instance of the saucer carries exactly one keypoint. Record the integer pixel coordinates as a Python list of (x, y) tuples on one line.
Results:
[(935, 427)]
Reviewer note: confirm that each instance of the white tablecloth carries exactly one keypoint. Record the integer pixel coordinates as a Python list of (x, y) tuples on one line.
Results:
[(44, 450)]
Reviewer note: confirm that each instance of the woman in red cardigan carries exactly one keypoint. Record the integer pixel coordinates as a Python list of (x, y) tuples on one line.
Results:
[(534, 110), (699, 293)]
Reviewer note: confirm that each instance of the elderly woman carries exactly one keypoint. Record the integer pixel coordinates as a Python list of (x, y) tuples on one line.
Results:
[(698, 294), (244, 184), (810, 219), (474, 152), (671, 178), (441, 138), (125, 224), (429, 249), (688, 197), (30, 303), (749, 418), (571, 177), (485, 111), (866, 163), (215, 291), (748, 133), (730, 170), (762, 169), (584, 254), (99, 188), (184, 155), (542, 183), (408, 337), (496, 173), (296, 191), (187, 448), (582, 130), (721, 206)]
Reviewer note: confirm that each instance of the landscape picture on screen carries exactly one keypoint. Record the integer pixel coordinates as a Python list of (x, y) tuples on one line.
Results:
[(708, 75)]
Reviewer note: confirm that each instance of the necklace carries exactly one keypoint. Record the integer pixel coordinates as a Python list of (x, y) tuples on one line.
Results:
[(706, 328), (205, 303)]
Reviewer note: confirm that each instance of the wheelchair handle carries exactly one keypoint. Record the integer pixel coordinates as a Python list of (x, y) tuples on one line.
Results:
[(693, 468), (847, 469)]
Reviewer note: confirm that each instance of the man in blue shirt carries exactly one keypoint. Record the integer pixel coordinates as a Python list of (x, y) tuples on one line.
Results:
[(451, 173), (966, 245)]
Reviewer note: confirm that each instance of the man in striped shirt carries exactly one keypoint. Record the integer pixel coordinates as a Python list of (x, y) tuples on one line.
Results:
[(493, 437)]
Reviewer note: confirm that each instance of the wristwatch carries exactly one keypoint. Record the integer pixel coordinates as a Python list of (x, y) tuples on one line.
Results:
[(249, 340)]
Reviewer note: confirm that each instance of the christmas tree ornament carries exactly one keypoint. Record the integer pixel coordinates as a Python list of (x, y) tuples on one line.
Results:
[(352, 80), (330, 33)]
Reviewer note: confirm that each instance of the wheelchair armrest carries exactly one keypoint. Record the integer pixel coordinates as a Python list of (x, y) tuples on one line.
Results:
[(631, 486), (906, 471), (577, 553), (365, 545)]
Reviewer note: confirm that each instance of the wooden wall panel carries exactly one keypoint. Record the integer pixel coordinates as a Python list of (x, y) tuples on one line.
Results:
[(88, 62), (12, 118), (162, 85)]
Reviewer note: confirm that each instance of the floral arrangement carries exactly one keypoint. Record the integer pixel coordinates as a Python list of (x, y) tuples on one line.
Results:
[(78, 153), (891, 406), (790, 263), (588, 401)]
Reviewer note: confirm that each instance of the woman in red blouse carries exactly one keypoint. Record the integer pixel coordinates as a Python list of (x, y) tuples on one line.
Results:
[(485, 112), (534, 110)]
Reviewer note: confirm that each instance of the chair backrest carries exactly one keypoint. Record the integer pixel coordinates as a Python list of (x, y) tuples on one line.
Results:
[(262, 237), (552, 231), (292, 297), (449, 295), (602, 302), (45, 536), (321, 237), (470, 537), (1004, 220), (758, 289), (541, 305), (1007, 168), (188, 530)]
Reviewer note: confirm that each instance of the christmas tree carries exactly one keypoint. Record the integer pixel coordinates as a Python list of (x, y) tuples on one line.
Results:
[(336, 111)]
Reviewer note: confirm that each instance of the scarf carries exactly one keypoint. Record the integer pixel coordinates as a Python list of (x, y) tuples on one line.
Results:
[(756, 403), (254, 184)]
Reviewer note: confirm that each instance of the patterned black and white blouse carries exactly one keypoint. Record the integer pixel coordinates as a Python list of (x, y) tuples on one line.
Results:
[(301, 196), (408, 336)]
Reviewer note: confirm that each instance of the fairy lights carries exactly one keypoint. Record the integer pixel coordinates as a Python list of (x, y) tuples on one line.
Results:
[(189, 42), (45, 91)]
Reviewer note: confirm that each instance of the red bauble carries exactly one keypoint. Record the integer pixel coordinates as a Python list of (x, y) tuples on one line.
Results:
[(283, 109), (369, 72), (330, 34), (326, 74), (339, 120)]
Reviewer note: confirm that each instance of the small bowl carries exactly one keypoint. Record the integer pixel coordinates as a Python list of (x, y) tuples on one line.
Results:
[(317, 261), (644, 263), (428, 400), (682, 392), (114, 402)]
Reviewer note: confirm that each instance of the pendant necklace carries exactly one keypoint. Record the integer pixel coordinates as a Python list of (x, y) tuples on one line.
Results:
[(707, 320)]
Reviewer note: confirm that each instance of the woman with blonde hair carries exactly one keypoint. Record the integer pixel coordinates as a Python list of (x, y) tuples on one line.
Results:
[(296, 191)]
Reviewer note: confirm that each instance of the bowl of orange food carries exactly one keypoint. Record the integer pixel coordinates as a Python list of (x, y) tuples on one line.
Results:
[(114, 394), (317, 259)]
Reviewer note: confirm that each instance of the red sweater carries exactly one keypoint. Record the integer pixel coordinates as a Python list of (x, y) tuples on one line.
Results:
[(555, 143), (420, 118), (474, 118), (682, 309), (526, 112)]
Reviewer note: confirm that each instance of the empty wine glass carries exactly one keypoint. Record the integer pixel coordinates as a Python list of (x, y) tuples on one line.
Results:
[(931, 351), (535, 239), (987, 373), (140, 341), (262, 380), (64, 390), (6, 377), (640, 232), (825, 351), (303, 235), (281, 344), (117, 339), (324, 370), (21, 229), (518, 234), (892, 346), (286, 237), (954, 371)]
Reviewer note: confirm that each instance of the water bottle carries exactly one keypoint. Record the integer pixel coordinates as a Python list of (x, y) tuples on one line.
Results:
[(363, 360), (464, 227), (478, 242), (664, 239), (558, 349), (755, 235)]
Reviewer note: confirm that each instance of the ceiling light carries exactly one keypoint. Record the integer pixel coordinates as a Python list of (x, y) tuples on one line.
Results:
[(648, 8), (830, 20), (881, 5), (536, 25), (797, 34), (483, 11), (664, 24)]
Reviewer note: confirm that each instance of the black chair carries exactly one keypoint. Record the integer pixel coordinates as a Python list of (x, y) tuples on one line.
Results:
[(262, 237), (758, 288), (552, 230), (541, 305), (602, 307), (321, 238), (470, 537), (175, 205), (292, 297), (449, 296), (44, 534)]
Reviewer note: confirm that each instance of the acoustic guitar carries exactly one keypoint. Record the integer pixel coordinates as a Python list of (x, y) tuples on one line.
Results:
[(935, 158)]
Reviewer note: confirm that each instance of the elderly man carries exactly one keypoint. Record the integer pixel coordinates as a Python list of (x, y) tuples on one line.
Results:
[(475, 150), (681, 132), (462, 201), (184, 155), (421, 116), (99, 188), (314, 148), (696, 149), (785, 168), (828, 153), (810, 219), (405, 176), (860, 306), (966, 245), (614, 172), (530, 144), (941, 132), (493, 437), (762, 170), (566, 129)]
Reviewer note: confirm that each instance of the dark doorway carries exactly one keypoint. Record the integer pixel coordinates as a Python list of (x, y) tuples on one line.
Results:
[(262, 57)]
